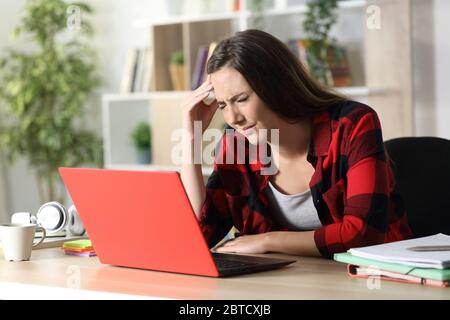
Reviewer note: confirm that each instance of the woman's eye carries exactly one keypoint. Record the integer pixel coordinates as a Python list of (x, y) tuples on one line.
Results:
[(242, 100), (221, 106)]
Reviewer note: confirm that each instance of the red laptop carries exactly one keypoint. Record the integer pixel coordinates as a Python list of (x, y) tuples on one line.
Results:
[(143, 219)]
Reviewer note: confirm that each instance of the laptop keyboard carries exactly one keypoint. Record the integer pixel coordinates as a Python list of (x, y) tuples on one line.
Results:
[(226, 262)]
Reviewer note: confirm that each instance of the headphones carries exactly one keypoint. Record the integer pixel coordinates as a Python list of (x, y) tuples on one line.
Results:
[(53, 217)]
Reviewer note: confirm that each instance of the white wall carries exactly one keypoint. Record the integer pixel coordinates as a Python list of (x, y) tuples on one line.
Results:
[(442, 66), (431, 47)]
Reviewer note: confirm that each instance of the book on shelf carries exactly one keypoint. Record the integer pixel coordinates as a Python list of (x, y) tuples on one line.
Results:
[(127, 72), (147, 76), (337, 60), (298, 48), (204, 52), (339, 66), (234, 5), (137, 71), (199, 68)]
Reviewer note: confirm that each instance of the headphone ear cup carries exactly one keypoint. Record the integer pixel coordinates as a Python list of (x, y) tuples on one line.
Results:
[(52, 216), (75, 226)]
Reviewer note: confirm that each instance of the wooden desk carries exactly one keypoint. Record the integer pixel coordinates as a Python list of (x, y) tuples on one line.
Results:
[(308, 278)]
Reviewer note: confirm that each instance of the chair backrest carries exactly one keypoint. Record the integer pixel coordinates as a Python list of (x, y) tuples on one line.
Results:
[(422, 170)]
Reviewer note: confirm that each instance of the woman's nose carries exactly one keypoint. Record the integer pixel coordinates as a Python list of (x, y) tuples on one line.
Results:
[(235, 117)]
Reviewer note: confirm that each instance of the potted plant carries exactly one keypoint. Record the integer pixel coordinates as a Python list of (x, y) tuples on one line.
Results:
[(177, 71), (43, 94), (321, 15), (141, 137)]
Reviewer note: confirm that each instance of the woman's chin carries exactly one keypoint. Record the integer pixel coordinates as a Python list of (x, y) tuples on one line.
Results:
[(253, 137)]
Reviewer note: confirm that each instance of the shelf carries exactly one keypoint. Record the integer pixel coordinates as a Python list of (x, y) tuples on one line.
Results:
[(206, 170), (144, 23), (359, 91), (144, 96), (298, 9)]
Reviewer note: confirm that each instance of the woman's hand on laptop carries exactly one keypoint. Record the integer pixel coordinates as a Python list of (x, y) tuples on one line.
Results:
[(245, 244)]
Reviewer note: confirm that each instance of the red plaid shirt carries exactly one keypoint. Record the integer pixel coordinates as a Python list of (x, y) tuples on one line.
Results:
[(352, 186)]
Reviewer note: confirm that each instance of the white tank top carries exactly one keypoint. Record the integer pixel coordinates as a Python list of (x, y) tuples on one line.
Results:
[(296, 212)]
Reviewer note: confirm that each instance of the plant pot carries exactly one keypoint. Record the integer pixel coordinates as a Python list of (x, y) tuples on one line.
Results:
[(177, 77), (144, 156)]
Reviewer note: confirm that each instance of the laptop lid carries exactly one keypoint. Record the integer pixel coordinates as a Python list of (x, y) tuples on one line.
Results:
[(139, 219)]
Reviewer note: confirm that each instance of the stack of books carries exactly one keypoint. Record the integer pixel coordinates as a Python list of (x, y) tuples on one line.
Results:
[(137, 71), (423, 260), (81, 248)]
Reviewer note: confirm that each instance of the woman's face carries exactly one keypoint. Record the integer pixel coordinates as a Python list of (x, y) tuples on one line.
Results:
[(242, 109)]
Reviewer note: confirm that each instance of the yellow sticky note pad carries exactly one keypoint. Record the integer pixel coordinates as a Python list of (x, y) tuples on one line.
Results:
[(79, 244)]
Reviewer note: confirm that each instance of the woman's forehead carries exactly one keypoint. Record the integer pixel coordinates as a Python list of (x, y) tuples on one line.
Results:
[(228, 82)]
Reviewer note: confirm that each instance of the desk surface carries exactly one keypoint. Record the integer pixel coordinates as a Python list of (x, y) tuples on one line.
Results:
[(308, 278)]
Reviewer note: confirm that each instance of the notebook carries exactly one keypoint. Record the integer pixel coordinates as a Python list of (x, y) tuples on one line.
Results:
[(402, 252), (364, 268)]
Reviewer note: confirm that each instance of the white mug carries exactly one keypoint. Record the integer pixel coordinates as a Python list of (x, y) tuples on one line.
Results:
[(18, 240)]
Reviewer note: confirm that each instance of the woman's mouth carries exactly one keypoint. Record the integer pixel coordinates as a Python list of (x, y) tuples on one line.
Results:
[(248, 128)]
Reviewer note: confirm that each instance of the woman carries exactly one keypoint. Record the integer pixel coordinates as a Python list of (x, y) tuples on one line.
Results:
[(333, 188)]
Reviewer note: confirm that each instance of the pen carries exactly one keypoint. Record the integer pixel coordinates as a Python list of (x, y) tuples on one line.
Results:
[(429, 248)]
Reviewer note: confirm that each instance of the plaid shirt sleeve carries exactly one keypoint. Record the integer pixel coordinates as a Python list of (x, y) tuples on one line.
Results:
[(215, 217), (367, 187)]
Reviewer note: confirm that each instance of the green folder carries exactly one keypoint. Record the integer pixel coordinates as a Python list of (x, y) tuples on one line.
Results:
[(427, 273)]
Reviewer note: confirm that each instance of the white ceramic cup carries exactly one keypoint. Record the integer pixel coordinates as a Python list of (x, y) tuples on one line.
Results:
[(18, 240)]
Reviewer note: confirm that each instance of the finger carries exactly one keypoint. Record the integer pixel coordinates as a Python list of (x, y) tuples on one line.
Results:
[(207, 89), (204, 84), (198, 98), (222, 243), (195, 99), (225, 250), (197, 93), (228, 244)]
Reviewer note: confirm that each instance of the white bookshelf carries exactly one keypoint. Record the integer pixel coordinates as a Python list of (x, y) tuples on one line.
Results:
[(385, 81), (144, 23), (353, 91), (116, 102), (141, 96), (242, 14)]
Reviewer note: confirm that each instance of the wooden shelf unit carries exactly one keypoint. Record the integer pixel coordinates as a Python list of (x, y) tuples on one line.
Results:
[(186, 37), (386, 53)]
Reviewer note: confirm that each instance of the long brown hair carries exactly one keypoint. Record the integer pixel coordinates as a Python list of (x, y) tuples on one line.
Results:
[(274, 73)]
